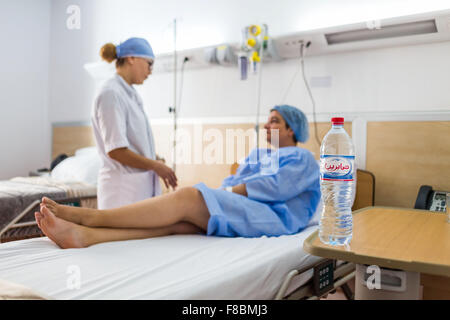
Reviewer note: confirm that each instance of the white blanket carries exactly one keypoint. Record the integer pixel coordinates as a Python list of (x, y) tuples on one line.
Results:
[(173, 267)]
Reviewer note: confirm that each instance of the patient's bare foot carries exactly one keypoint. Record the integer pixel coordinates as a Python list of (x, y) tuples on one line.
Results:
[(73, 214), (64, 233)]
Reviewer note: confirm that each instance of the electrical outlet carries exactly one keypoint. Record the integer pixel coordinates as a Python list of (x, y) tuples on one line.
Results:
[(289, 47), (294, 43)]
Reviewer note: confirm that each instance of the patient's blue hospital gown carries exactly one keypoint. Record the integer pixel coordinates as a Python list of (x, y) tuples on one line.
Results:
[(283, 193)]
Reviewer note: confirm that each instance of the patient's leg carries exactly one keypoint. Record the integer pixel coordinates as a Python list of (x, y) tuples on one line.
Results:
[(183, 205), (70, 235)]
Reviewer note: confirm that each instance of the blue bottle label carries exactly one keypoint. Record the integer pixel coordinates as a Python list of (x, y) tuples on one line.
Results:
[(336, 168)]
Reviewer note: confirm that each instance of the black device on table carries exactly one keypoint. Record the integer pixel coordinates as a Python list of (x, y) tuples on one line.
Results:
[(429, 199)]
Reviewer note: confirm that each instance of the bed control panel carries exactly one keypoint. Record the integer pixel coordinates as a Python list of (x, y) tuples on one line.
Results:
[(324, 277)]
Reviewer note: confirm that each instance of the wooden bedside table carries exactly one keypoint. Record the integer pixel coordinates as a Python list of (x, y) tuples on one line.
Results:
[(397, 238)]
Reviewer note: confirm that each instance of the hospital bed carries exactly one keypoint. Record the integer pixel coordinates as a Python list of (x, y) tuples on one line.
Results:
[(174, 267), (186, 267), (72, 181)]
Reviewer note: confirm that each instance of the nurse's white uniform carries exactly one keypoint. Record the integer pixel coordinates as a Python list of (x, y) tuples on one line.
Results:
[(119, 120)]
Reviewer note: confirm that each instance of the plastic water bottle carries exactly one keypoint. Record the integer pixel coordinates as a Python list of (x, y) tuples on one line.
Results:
[(337, 184)]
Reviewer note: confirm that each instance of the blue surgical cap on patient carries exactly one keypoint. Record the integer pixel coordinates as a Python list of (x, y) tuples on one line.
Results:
[(135, 47), (296, 120)]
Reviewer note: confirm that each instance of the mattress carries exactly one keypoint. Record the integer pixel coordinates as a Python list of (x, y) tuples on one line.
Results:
[(194, 267)]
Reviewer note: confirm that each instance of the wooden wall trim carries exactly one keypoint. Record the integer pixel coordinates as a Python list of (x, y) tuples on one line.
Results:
[(405, 155)]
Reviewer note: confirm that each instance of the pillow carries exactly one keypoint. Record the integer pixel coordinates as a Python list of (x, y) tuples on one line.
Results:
[(87, 150), (82, 167)]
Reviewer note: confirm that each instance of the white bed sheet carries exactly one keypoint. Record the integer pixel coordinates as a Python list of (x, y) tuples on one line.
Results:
[(173, 267)]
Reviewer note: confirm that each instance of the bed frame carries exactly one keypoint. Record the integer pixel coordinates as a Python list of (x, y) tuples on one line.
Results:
[(67, 137), (339, 272), (34, 206)]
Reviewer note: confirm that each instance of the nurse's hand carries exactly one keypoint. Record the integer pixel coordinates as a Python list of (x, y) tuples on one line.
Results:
[(166, 174)]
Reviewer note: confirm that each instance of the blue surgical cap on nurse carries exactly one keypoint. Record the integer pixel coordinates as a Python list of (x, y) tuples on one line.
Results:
[(296, 120), (135, 47)]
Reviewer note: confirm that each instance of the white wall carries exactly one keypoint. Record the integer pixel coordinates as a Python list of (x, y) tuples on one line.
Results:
[(43, 80), (404, 79), (24, 55), (71, 89), (394, 79)]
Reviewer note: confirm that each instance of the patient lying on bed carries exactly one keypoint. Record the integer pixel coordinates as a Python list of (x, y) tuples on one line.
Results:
[(274, 192)]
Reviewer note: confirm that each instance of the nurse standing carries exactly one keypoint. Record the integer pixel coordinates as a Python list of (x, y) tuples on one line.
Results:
[(130, 168)]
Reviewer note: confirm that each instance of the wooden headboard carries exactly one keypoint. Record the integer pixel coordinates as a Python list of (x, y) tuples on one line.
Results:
[(68, 137)]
